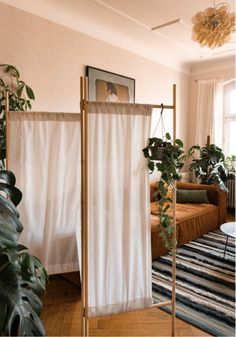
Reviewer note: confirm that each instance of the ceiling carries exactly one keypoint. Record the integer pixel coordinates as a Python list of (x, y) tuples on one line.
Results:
[(127, 24)]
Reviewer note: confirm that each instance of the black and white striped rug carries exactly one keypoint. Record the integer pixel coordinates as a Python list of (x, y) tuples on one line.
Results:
[(205, 285)]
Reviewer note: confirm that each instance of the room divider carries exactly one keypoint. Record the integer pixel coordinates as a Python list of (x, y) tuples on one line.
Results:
[(128, 231)]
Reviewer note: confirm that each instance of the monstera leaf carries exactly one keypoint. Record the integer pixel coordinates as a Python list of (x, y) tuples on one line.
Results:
[(22, 276), (20, 306)]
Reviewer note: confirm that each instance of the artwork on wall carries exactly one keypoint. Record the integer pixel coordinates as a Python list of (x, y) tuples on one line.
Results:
[(104, 86)]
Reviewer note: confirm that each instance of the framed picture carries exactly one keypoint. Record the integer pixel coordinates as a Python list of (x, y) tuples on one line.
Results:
[(104, 86)]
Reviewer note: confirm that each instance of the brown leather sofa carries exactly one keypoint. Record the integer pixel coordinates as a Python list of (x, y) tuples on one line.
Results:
[(192, 220)]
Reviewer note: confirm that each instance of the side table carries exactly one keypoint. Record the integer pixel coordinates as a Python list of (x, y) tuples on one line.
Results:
[(229, 229)]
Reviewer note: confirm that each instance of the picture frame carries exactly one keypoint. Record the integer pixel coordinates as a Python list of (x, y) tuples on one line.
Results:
[(105, 86)]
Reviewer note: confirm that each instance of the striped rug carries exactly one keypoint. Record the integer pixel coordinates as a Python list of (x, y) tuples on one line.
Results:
[(205, 286)]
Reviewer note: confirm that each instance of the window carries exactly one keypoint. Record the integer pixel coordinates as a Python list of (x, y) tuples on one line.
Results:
[(229, 115)]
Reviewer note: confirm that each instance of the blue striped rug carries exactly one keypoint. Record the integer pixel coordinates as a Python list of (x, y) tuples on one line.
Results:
[(205, 286)]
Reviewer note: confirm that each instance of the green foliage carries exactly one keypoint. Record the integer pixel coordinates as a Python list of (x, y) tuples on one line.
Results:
[(169, 165), (208, 165), (22, 276), (230, 164), (20, 97)]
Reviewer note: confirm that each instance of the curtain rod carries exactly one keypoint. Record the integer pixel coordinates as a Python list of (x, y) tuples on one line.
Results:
[(154, 106), (44, 112)]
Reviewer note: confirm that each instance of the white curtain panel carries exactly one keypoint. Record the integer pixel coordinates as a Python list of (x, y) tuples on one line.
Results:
[(45, 157), (209, 112), (119, 233), (218, 114)]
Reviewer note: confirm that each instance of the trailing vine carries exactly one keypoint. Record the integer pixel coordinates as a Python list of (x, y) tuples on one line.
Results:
[(170, 164)]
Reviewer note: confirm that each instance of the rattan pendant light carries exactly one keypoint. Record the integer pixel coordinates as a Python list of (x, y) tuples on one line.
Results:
[(213, 27)]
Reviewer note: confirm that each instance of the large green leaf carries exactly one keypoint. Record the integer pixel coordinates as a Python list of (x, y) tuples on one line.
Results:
[(12, 71), (22, 276), (8, 176), (12, 192), (29, 92), (34, 273), (19, 306), (10, 225), (179, 142), (20, 89)]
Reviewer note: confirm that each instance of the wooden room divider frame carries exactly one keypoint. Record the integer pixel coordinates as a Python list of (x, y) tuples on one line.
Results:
[(84, 210), (84, 202)]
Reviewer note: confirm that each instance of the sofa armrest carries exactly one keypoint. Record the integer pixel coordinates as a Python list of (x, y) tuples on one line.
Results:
[(215, 195)]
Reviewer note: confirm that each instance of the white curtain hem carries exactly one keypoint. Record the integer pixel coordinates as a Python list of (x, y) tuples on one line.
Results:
[(133, 305)]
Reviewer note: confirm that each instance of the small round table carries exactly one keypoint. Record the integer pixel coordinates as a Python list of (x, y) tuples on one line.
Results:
[(229, 229)]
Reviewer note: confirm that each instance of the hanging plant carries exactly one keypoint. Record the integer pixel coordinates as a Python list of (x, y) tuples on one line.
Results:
[(157, 147), (169, 165), (20, 97)]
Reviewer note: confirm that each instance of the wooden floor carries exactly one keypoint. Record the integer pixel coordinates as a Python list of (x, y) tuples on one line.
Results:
[(61, 316)]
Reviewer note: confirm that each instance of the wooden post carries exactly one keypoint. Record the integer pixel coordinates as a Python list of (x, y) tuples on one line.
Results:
[(7, 130), (84, 210), (174, 225), (208, 140)]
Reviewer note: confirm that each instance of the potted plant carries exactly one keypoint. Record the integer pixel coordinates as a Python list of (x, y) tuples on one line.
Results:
[(20, 97), (208, 165), (169, 165), (22, 276), (230, 165)]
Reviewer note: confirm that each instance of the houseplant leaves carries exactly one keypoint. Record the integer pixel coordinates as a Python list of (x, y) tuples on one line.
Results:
[(20, 96), (169, 161), (22, 276)]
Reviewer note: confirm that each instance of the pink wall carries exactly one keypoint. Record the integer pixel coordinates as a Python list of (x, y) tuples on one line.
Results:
[(51, 59)]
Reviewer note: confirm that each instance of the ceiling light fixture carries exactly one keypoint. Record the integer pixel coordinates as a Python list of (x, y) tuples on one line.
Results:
[(213, 27)]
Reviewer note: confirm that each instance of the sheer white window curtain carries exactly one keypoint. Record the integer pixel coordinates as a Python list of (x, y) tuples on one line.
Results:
[(119, 243), (45, 157), (209, 112)]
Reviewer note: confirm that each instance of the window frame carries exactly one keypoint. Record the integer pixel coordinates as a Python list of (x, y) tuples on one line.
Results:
[(228, 87)]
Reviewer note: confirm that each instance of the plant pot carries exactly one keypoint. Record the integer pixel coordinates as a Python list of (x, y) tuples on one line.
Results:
[(158, 150)]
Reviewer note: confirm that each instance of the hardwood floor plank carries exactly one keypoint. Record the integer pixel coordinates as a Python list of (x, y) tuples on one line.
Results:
[(61, 317)]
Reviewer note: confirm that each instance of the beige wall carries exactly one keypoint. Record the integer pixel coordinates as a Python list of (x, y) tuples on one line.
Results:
[(51, 59)]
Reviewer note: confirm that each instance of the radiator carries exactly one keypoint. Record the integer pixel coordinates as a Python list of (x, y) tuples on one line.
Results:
[(230, 184)]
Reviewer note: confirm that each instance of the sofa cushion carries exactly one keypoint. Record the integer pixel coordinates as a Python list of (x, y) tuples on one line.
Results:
[(195, 220), (192, 196), (192, 221), (188, 211), (185, 211)]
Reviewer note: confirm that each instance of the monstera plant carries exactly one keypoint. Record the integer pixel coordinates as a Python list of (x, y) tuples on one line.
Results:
[(208, 164), (22, 276), (20, 98), (165, 156)]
